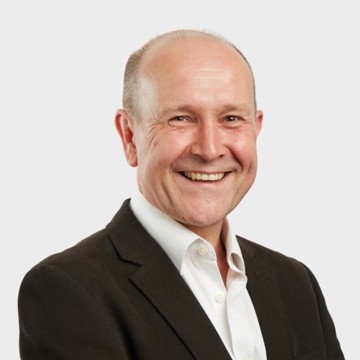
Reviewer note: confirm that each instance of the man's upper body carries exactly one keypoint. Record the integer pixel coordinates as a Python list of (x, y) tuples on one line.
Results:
[(189, 125), (117, 295)]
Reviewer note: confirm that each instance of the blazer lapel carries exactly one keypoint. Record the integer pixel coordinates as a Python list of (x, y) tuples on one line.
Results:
[(158, 280), (267, 303), (179, 306)]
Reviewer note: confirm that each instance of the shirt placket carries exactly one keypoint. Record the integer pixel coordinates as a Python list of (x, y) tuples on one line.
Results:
[(239, 318)]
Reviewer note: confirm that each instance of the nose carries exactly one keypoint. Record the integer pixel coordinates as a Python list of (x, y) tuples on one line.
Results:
[(208, 141)]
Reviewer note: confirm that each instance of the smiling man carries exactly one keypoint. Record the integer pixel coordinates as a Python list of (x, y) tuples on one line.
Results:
[(166, 278)]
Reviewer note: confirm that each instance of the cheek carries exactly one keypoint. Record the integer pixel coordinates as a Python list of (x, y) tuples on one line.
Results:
[(244, 148), (157, 156), (170, 146)]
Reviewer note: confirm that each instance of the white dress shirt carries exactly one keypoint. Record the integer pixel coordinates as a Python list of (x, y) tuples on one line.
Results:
[(228, 307)]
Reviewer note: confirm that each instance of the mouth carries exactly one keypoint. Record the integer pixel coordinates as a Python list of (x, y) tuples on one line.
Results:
[(197, 176)]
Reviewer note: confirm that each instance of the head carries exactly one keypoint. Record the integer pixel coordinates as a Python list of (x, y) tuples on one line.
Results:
[(189, 125)]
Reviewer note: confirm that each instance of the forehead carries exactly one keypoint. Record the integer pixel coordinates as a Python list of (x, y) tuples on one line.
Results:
[(192, 52), (196, 64)]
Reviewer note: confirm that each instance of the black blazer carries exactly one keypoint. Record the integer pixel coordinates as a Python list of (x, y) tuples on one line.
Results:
[(116, 295)]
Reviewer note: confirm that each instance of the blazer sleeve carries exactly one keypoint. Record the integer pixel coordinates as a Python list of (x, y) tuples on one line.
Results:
[(56, 314), (331, 343)]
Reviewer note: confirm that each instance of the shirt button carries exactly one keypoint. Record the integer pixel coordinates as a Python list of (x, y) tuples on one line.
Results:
[(219, 298), (203, 250)]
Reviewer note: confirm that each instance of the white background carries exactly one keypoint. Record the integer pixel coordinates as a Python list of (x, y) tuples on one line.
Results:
[(63, 173)]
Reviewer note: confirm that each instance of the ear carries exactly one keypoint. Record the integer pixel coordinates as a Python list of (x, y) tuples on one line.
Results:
[(124, 127), (258, 121)]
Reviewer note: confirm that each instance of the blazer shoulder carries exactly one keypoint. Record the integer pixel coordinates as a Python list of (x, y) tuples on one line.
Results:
[(271, 259), (87, 249), (88, 263), (255, 249), (96, 250)]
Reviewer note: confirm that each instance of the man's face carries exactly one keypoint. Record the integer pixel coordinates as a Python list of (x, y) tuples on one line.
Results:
[(195, 145)]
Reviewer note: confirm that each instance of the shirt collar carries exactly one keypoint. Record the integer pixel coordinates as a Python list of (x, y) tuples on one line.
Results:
[(234, 256), (175, 238)]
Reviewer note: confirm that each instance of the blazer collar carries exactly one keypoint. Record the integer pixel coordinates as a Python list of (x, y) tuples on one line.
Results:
[(155, 273)]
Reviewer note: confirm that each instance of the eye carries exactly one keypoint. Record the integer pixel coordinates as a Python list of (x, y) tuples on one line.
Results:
[(233, 121), (180, 121), (231, 118), (178, 118)]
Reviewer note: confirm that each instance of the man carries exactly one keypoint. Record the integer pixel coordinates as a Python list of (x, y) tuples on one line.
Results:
[(166, 279)]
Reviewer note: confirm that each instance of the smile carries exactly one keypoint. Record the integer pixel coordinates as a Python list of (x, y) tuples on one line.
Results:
[(195, 176)]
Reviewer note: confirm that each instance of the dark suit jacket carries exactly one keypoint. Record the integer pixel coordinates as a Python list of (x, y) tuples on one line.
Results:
[(116, 295)]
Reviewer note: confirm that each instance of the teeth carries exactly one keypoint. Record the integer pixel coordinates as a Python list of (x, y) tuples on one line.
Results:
[(204, 177)]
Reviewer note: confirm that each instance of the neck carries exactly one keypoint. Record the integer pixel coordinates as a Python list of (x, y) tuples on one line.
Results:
[(212, 234)]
